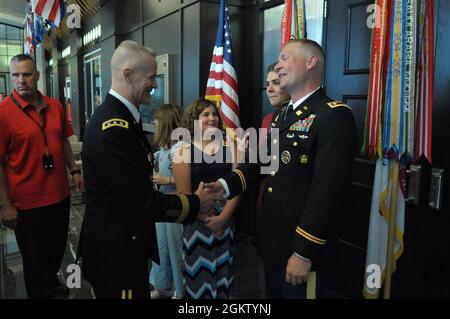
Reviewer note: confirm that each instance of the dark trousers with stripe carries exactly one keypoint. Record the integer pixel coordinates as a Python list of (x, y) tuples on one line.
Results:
[(123, 272), (41, 235), (278, 288)]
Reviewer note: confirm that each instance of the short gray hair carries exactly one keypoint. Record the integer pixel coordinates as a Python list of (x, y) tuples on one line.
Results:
[(22, 57)]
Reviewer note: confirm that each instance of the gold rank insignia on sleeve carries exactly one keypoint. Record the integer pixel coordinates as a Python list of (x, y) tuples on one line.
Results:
[(114, 122), (337, 104), (310, 237), (185, 210), (242, 178)]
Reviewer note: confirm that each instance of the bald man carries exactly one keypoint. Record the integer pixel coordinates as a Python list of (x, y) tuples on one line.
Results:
[(303, 199), (118, 232)]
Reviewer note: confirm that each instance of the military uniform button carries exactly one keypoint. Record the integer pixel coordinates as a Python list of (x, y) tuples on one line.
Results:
[(304, 159), (270, 189), (273, 173), (274, 157), (295, 143), (133, 238), (275, 141)]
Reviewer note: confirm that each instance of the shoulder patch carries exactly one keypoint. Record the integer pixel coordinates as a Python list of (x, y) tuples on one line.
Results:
[(114, 122), (338, 104)]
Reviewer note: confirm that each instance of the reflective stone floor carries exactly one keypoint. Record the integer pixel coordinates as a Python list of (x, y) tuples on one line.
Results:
[(248, 272)]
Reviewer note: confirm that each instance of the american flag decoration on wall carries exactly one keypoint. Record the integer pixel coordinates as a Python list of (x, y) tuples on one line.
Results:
[(222, 79), (51, 10), (28, 34)]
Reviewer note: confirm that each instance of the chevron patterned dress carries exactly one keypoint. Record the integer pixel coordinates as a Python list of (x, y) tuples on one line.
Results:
[(208, 259)]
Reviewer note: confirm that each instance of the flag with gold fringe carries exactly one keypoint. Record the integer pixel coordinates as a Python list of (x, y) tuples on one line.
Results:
[(293, 21), (395, 76)]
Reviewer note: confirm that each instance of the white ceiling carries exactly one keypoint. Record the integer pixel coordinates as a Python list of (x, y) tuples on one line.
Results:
[(13, 11)]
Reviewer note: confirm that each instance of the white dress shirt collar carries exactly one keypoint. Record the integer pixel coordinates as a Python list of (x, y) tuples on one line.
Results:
[(303, 99), (130, 106)]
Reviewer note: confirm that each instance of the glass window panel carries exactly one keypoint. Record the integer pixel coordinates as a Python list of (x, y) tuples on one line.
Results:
[(314, 20), (3, 48), (14, 49), (2, 31), (272, 21), (12, 33), (4, 63)]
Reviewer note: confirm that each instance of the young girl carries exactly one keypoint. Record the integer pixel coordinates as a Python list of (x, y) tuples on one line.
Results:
[(208, 245), (167, 277)]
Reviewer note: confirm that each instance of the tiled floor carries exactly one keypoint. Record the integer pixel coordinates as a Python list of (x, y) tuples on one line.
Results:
[(248, 273)]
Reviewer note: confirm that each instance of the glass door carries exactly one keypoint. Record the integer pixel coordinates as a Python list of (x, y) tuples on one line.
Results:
[(93, 83)]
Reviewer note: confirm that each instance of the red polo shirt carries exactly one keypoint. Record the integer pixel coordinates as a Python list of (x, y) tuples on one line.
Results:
[(22, 147)]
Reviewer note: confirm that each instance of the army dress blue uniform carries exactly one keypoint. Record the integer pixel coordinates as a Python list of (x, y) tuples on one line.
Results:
[(304, 198), (118, 232)]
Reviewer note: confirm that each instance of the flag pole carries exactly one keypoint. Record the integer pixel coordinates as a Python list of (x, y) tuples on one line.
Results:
[(391, 232)]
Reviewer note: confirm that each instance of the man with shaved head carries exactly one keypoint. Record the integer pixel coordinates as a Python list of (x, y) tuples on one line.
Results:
[(317, 146), (118, 234)]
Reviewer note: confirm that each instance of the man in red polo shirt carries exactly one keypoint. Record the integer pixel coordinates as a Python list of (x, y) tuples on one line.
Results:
[(34, 187)]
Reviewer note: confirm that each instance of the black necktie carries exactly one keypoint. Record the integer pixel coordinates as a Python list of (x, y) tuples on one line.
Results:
[(288, 111), (139, 124)]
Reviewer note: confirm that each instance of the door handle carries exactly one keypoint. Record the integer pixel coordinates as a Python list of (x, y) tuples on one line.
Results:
[(414, 174), (436, 191)]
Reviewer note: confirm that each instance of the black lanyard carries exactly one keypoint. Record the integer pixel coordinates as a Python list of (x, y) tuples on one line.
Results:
[(44, 121)]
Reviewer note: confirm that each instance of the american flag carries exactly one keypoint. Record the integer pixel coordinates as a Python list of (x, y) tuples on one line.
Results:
[(222, 79), (28, 33), (51, 10)]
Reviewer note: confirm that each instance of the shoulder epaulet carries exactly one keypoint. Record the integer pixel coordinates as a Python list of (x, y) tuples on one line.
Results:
[(338, 104), (114, 122)]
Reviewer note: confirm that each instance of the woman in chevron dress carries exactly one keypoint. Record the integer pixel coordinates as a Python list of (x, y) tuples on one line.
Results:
[(208, 245)]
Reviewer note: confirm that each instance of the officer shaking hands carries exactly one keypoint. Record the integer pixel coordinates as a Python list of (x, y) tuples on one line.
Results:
[(118, 233), (304, 198)]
